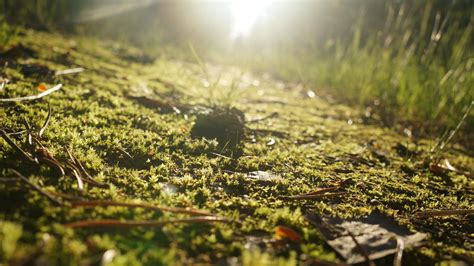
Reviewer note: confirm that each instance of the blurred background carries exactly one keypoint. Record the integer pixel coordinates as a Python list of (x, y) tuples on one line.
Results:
[(407, 62)]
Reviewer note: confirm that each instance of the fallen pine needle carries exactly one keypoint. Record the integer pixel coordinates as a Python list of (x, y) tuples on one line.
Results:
[(37, 188), (97, 203), (7, 138), (46, 122), (320, 191), (33, 97), (432, 213), (118, 223), (314, 196), (69, 71)]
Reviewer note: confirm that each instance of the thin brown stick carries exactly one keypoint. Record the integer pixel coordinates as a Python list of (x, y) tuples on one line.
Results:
[(83, 168), (314, 196), (77, 166), (119, 223), (268, 131), (222, 156), (100, 203), (77, 176), (37, 188), (317, 262), (53, 162), (64, 195), (282, 102), (21, 132), (361, 249), (72, 158), (320, 191), (16, 147), (272, 115), (433, 213), (33, 97), (8, 180)]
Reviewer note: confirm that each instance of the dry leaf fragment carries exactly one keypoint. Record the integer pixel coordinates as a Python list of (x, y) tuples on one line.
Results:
[(377, 234), (282, 232), (271, 142), (443, 166)]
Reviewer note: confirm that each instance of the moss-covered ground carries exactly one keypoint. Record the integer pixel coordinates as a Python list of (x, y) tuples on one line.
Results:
[(144, 153)]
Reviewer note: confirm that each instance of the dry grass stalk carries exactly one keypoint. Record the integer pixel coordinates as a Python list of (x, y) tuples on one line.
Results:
[(151, 223), (314, 196), (37, 188), (99, 203)]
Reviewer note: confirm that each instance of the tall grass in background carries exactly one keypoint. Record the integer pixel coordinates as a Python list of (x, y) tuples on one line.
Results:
[(7, 33), (41, 14), (416, 69)]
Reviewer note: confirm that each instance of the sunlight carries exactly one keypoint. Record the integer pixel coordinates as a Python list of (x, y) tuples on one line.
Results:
[(245, 14)]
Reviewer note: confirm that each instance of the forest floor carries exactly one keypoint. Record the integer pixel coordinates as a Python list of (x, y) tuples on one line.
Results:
[(126, 129)]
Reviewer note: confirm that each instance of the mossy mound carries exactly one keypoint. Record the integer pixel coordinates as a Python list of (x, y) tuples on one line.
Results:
[(224, 125)]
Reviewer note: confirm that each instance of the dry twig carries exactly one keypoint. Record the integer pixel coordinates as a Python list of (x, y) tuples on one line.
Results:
[(119, 223), (361, 249), (7, 138), (37, 188), (314, 196), (272, 115), (33, 97), (97, 203)]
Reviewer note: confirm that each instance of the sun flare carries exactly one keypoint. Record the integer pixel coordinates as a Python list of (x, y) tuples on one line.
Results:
[(245, 13)]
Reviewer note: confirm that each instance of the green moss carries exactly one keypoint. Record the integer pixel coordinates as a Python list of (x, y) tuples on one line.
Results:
[(145, 155)]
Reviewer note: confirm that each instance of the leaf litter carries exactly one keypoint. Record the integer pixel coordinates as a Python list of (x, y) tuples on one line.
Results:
[(376, 234)]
